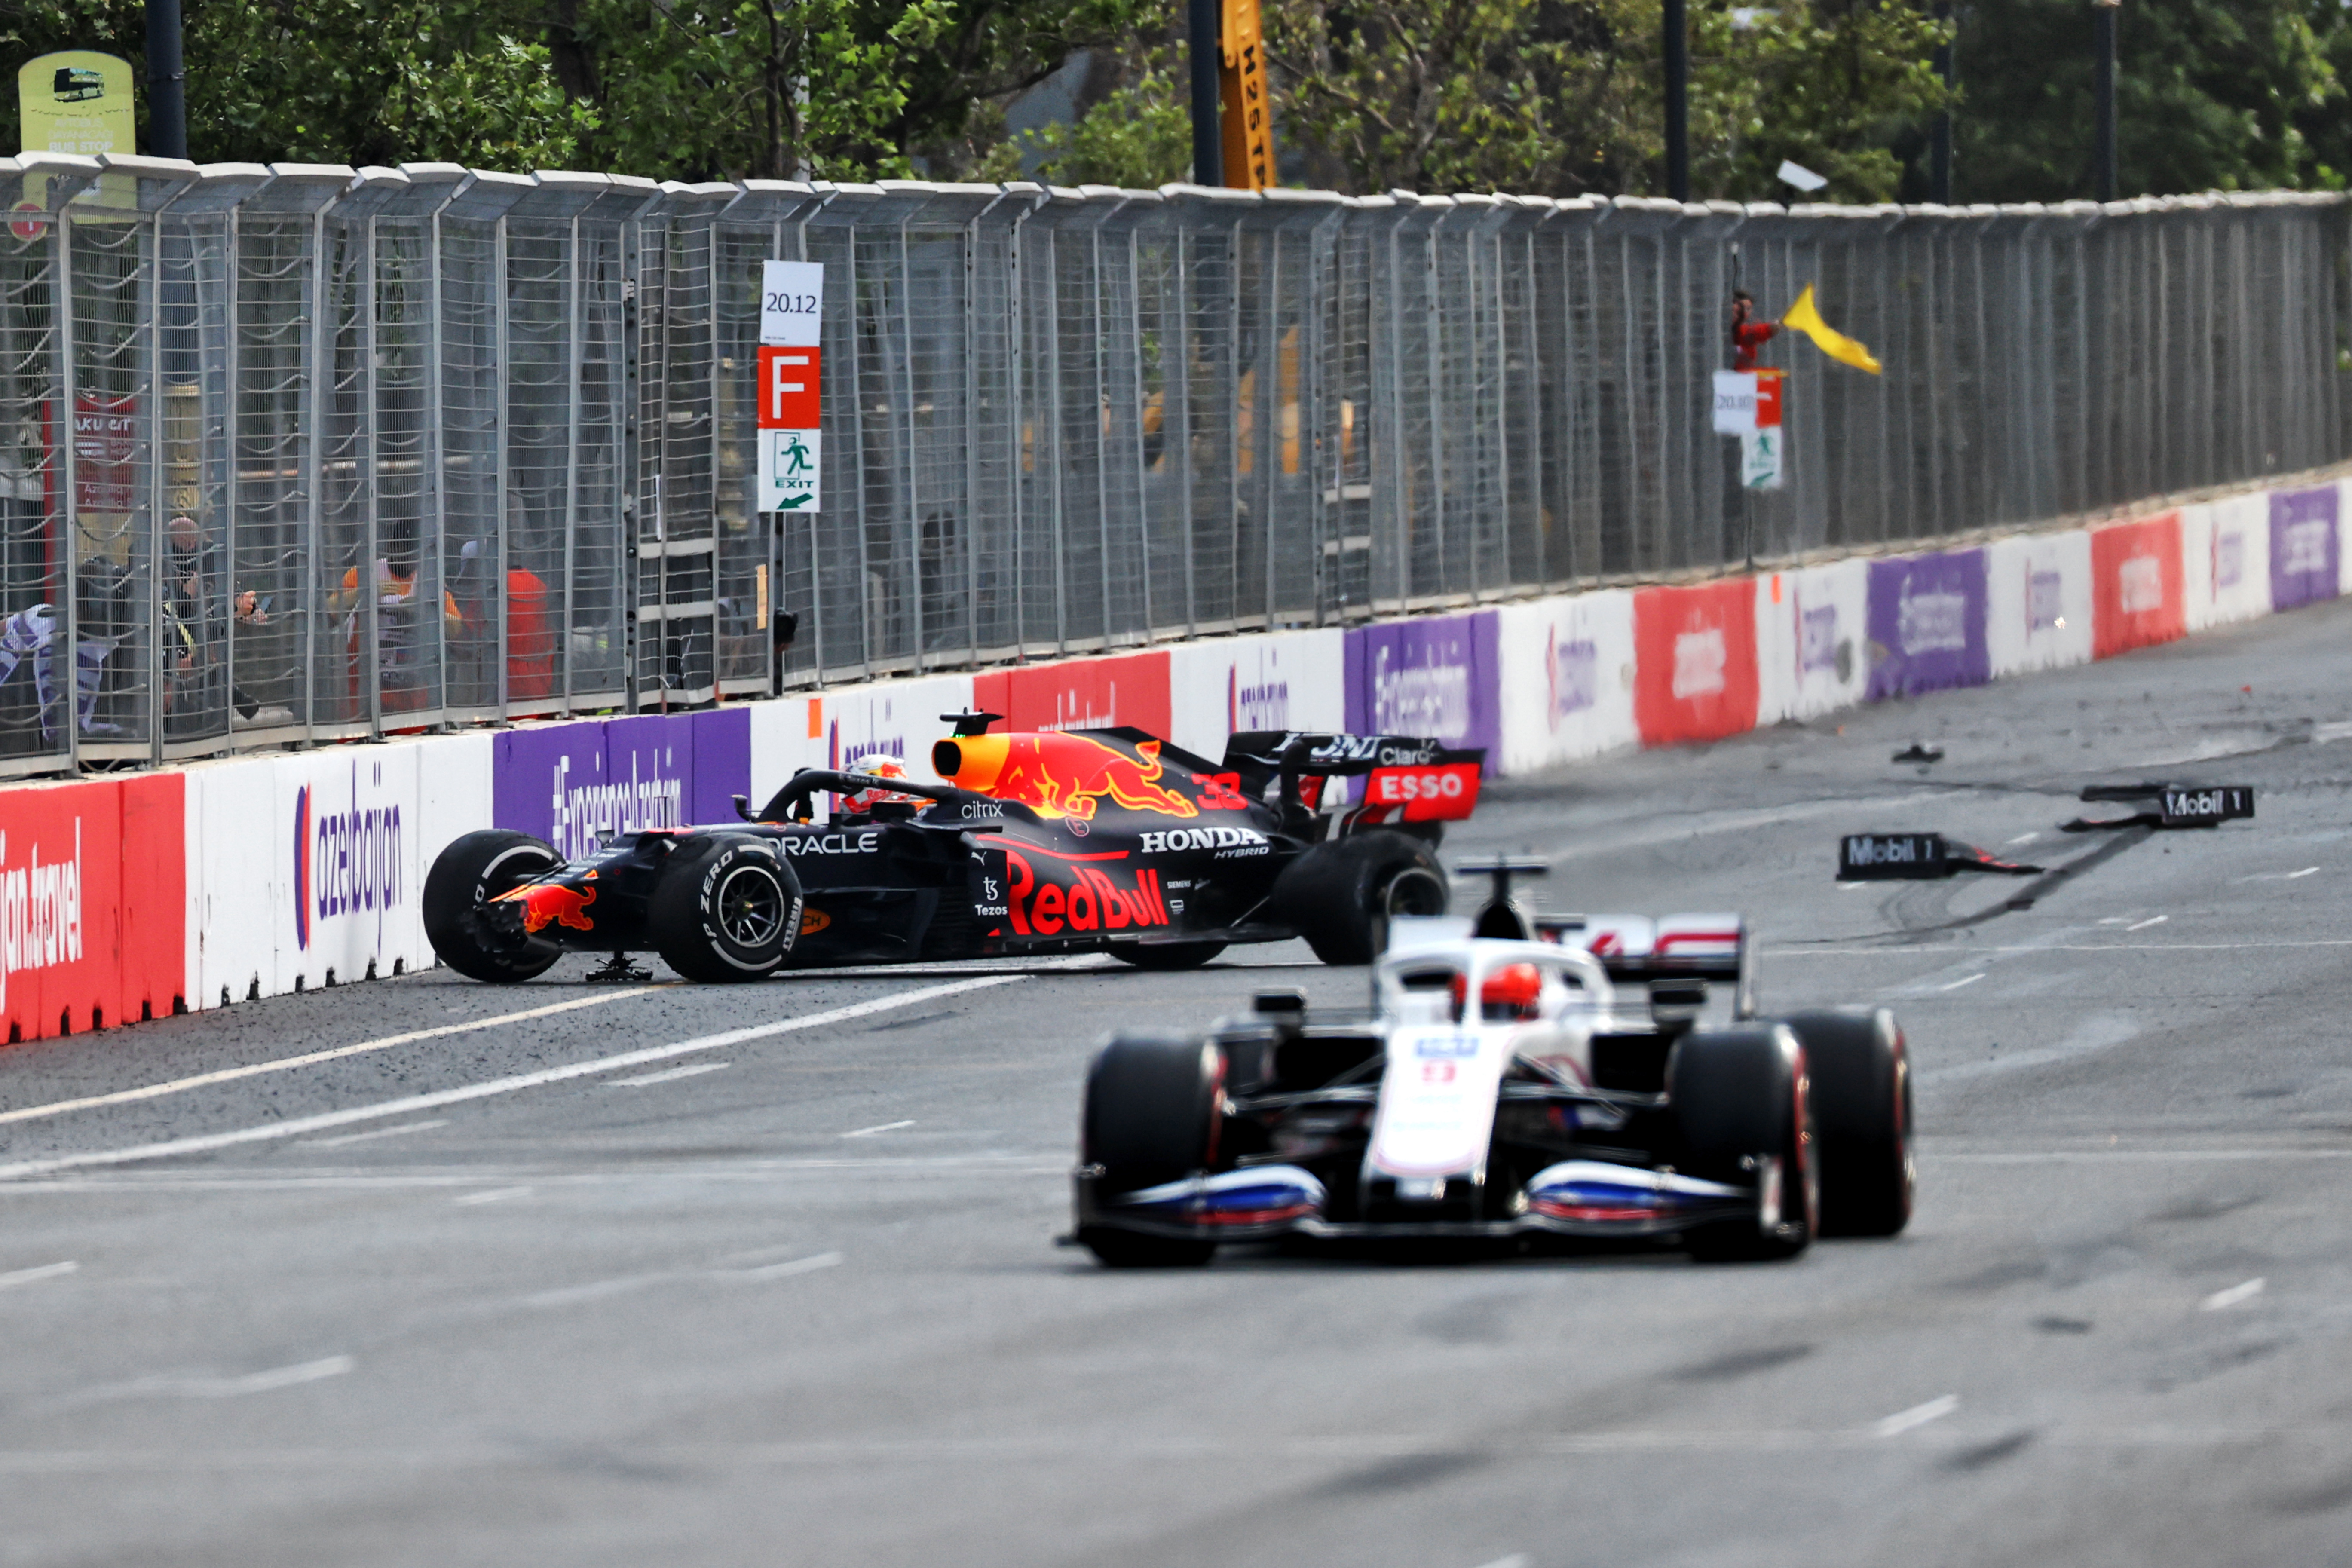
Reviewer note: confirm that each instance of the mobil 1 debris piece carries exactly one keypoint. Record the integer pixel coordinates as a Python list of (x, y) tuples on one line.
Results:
[(1915, 858), (2169, 806)]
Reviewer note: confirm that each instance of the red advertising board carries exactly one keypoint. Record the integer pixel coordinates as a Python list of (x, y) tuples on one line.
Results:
[(789, 387), (1694, 662), (1084, 694), (93, 904), (2137, 594)]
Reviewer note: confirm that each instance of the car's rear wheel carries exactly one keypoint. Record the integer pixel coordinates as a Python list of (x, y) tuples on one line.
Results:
[(1341, 895), (1166, 956), (1150, 1118), (725, 909), (464, 877), (1739, 1099), (1860, 1074)]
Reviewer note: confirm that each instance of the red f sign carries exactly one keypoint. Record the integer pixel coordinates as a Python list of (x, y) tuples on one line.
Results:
[(788, 388)]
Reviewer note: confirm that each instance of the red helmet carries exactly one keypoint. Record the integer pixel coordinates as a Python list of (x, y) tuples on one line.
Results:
[(1510, 993)]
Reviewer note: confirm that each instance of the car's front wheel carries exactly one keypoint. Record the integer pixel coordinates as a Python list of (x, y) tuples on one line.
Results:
[(464, 877), (725, 909), (1741, 1102), (1860, 1070), (1151, 1116)]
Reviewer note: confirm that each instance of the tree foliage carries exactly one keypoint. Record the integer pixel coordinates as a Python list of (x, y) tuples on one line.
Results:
[(1558, 97), (2210, 95), (1565, 97)]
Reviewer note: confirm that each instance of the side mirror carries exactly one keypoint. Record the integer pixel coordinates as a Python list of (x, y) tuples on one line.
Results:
[(742, 807)]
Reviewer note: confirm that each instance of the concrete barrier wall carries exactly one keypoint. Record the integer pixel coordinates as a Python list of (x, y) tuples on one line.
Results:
[(203, 886)]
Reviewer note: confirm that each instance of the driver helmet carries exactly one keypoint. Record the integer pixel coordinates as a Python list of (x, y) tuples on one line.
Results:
[(1511, 993), (881, 765)]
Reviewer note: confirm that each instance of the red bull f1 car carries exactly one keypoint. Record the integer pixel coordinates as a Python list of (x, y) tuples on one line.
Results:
[(1513, 1078), (1042, 843)]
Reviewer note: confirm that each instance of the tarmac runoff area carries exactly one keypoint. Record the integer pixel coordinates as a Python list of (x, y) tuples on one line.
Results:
[(427, 1272)]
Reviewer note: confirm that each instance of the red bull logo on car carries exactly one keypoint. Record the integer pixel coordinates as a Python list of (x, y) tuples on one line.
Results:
[(1059, 774), (552, 903), (1090, 902)]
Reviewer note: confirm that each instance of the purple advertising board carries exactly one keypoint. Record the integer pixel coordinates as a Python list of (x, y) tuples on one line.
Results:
[(580, 786), (538, 774), (1439, 678), (722, 763), (1927, 623), (2305, 530)]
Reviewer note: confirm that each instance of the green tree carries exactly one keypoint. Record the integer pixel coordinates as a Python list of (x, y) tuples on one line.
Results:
[(1564, 97), (1138, 137), (355, 81), (2210, 95)]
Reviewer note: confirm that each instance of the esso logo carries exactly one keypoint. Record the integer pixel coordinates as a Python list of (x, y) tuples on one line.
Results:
[(1403, 787)]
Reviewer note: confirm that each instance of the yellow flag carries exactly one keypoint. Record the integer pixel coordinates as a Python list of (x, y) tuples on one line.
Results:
[(1803, 317)]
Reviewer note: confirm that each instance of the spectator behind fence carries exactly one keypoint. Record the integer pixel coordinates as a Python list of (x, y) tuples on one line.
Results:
[(188, 634), (29, 637), (402, 648)]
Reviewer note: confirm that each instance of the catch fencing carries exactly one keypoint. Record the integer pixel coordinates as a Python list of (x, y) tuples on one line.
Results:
[(314, 453)]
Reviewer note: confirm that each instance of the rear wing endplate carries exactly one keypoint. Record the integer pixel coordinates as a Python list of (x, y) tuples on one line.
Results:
[(1638, 948)]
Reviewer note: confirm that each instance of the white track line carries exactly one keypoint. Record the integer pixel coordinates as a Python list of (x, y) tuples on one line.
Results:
[(495, 1195), (2222, 1300), (1903, 1421), (2297, 875), (1970, 980), (270, 1132), (2152, 920), (29, 1276), (669, 1074), (885, 1126), (1939, 951), (286, 1064), (426, 1126)]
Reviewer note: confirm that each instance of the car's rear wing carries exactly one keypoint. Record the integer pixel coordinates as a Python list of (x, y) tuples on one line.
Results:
[(1638, 948), (1406, 778)]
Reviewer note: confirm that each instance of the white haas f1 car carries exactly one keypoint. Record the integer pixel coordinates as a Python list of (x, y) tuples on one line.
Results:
[(1514, 1077)]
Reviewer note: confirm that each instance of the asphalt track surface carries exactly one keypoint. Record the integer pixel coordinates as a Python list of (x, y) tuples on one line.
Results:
[(788, 1294)]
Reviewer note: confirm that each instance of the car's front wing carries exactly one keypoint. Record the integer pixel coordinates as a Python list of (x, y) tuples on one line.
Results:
[(1573, 1198)]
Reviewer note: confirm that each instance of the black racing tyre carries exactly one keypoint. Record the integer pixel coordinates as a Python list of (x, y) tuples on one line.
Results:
[(1151, 1115), (1860, 1073), (1339, 895), (1167, 956), (466, 875), (725, 909), (1739, 1099)]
